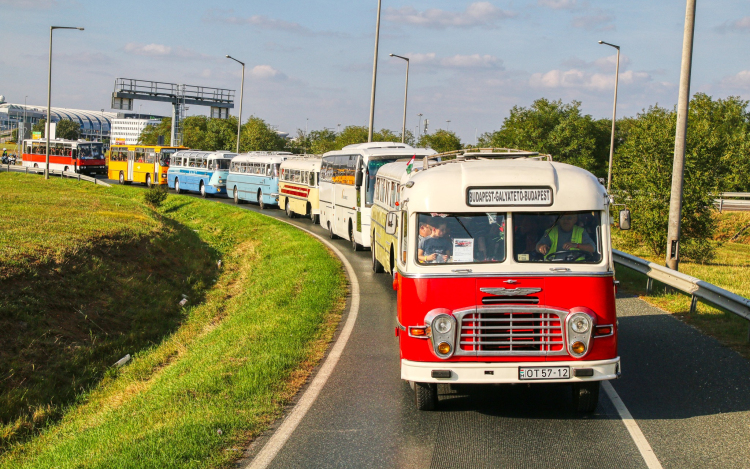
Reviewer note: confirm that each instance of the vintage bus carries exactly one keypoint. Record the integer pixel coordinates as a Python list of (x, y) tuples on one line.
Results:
[(147, 164), (202, 171), (347, 186), (79, 156), (298, 187), (515, 283), (254, 177)]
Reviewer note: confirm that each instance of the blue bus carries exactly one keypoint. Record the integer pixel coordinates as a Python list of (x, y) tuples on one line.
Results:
[(254, 177), (200, 171)]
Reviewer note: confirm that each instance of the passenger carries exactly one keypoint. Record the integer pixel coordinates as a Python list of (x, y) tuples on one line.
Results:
[(425, 231), (566, 234), (437, 248)]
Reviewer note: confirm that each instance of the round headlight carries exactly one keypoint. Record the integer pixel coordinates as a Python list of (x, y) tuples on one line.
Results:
[(580, 324), (442, 325), (578, 348), (444, 348)]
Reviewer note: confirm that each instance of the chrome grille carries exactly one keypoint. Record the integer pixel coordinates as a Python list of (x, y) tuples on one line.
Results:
[(512, 330)]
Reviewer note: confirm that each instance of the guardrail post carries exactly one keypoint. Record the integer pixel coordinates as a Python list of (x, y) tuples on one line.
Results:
[(649, 285), (693, 304), (721, 204)]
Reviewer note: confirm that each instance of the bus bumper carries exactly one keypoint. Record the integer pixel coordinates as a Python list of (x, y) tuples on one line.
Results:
[(506, 372)]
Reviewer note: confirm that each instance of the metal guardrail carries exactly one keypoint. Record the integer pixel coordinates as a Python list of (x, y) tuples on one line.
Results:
[(696, 288), (733, 201), (68, 174)]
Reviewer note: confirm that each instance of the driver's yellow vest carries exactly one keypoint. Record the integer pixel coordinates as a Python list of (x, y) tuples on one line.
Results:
[(576, 237)]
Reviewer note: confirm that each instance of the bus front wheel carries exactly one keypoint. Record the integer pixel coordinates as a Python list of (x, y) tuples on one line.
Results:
[(177, 185), (377, 267), (586, 396), (236, 197), (122, 178), (203, 190), (330, 231), (425, 396), (148, 181), (288, 209), (260, 200), (355, 246)]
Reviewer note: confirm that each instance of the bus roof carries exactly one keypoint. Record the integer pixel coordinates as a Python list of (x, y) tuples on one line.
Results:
[(60, 140), (444, 187), (263, 156), (307, 163), (206, 154), (374, 149)]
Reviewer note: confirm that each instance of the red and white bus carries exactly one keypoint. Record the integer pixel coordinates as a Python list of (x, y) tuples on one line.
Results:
[(510, 279), (77, 156)]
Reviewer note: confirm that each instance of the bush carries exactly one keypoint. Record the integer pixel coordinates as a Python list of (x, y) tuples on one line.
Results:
[(155, 196)]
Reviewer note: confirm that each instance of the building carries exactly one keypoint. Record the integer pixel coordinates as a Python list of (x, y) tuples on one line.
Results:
[(128, 131)]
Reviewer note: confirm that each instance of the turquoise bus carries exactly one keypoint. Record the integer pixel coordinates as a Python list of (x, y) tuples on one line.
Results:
[(254, 177), (200, 171)]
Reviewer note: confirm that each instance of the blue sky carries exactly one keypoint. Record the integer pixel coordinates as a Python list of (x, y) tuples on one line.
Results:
[(311, 61)]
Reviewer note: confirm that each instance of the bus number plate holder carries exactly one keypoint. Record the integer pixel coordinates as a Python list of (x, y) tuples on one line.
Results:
[(543, 372)]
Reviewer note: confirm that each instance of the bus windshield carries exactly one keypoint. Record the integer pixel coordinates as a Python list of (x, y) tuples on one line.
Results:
[(85, 153), (165, 155), (557, 237), (372, 171), (461, 238), (220, 164)]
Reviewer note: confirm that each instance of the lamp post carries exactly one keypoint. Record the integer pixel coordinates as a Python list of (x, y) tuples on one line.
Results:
[(49, 93), (447, 125), (419, 127), (614, 113), (242, 94), (374, 76), (406, 93)]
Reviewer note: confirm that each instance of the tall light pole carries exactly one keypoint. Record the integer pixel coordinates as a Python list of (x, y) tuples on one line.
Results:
[(419, 127), (102, 126), (242, 93), (678, 166), (447, 125), (614, 114), (49, 93), (374, 75), (406, 94)]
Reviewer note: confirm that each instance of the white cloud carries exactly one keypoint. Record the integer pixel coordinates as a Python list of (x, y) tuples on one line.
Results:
[(164, 51), (457, 61), (266, 72), (740, 25), (597, 21), (261, 22), (575, 78), (740, 80), (482, 14), (559, 4)]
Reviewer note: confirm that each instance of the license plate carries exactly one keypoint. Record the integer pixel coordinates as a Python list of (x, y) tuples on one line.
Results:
[(543, 372)]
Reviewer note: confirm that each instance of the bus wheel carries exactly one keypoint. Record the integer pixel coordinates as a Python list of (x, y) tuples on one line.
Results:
[(236, 197), (122, 178), (36, 165), (260, 199), (586, 396), (176, 185), (308, 211), (315, 219), (289, 212), (355, 246), (203, 190), (425, 396), (377, 267), (66, 169), (330, 231), (148, 181)]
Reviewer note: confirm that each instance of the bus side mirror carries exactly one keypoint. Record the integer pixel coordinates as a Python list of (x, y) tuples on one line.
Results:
[(358, 179), (625, 219), (391, 220)]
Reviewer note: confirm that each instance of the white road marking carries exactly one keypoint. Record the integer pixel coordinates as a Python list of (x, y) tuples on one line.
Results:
[(635, 431), (282, 434)]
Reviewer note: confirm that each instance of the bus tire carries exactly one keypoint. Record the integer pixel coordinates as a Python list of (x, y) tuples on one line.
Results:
[(308, 211), (355, 246), (315, 219), (148, 181), (121, 178), (288, 209), (586, 396), (425, 396), (330, 231), (377, 267), (393, 262), (202, 189), (176, 186), (66, 169), (236, 196), (36, 165), (260, 199)]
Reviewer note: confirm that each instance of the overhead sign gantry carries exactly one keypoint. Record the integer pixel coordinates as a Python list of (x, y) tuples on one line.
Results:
[(127, 90)]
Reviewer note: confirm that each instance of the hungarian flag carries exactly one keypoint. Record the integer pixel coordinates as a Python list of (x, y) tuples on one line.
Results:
[(410, 166)]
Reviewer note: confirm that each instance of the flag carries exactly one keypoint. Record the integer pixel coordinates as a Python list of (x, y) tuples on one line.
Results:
[(410, 166)]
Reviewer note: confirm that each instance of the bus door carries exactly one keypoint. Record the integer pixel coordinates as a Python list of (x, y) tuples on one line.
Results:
[(131, 157)]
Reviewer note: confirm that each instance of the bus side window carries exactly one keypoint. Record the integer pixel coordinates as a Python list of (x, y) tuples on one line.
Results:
[(311, 178)]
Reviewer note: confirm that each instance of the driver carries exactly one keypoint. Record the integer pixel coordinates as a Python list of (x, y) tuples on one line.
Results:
[(565, 236)]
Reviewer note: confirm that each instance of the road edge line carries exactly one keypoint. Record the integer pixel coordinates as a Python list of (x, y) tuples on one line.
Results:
[(632, 426), (279, 438)]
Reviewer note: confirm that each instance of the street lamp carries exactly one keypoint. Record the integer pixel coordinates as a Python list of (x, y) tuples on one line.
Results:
[(374, 76), (242, 94), (614, 113), (406, 92), (447, 125), (419, 127), (49, 93)]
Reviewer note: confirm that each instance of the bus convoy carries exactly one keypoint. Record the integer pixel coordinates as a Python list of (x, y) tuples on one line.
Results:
[(147, 164), (501, 259), (77, 156)]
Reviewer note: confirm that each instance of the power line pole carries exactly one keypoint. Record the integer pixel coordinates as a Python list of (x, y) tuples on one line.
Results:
[(374, 76), (678, 168)]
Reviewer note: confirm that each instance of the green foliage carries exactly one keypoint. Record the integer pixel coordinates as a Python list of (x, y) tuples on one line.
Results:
[(441, 141), (155, 196), (258, 136), (68, 130), (558, 129), (40, 126), (150, 135), (322, 141)]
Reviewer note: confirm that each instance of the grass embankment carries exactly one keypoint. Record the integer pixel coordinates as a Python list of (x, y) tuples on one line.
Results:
[(196, 398), (729, 269)]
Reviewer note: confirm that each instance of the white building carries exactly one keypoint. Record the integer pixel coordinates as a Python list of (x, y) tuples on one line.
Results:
[(128, 131)]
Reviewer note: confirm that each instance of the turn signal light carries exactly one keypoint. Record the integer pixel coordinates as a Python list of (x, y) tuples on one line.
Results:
[(444, 348), (603, 330), (418, 331), (578, 348)]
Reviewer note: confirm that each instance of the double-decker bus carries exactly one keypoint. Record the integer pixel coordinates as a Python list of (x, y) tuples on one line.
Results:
[(79, 156), (347, 186), (299, 181), (515, 282), (202, 171), (254, 177), (146, 164)]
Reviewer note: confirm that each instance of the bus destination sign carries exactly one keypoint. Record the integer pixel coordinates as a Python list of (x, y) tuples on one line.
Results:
[(512, 196)]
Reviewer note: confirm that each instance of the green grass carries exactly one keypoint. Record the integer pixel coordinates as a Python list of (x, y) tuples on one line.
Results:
[(199, 396), (729, 270)]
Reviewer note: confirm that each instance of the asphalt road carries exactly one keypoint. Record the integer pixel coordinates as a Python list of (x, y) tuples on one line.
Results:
[(689, 395)]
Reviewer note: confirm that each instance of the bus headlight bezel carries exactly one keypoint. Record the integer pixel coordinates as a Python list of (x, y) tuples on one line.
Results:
[(446, 333), (583, 335)]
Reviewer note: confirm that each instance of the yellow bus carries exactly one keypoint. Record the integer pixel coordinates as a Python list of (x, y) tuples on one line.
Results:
[(146, 164), (387, 198), (298, 187)]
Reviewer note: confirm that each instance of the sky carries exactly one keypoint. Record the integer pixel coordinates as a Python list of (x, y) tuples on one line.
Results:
[(309, 63)]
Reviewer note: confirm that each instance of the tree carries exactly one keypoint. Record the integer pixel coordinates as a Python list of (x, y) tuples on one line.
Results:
[(68, 130), (558, 129), (258, 136), (40, 126), (441, 141), (150, 134)]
